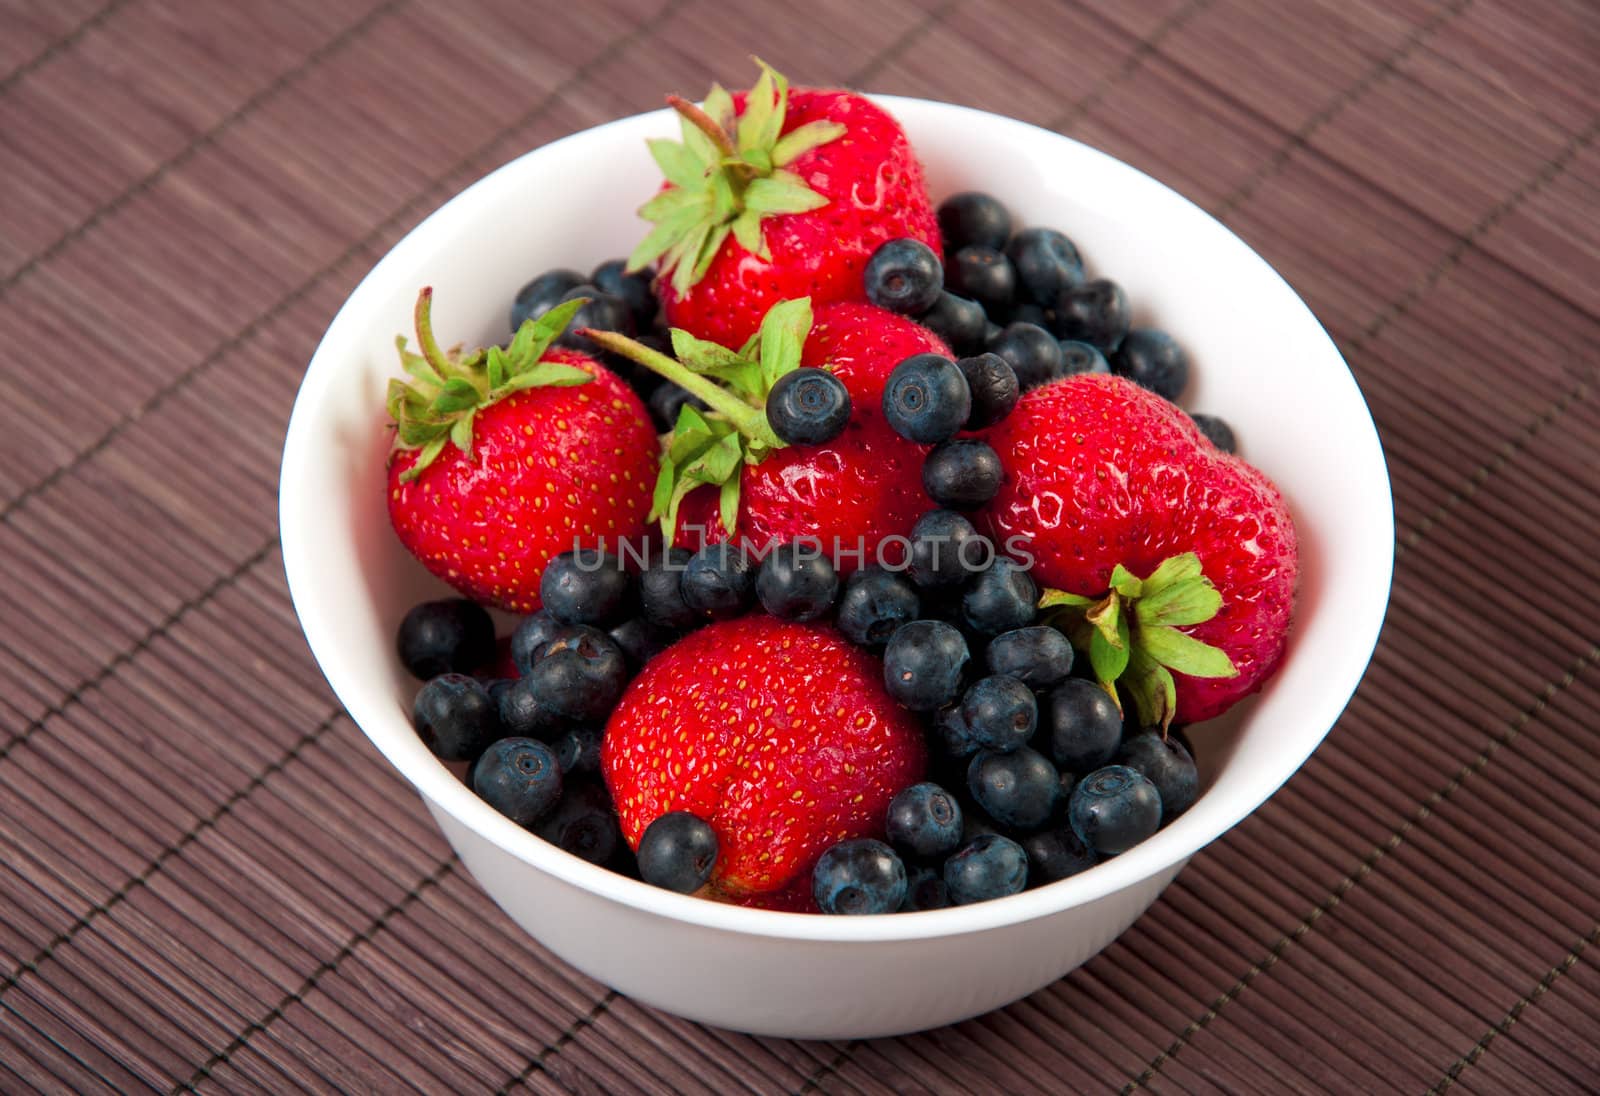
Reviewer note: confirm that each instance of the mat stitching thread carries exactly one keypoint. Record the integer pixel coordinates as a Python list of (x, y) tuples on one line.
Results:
[(537, 1063), (1470, 1059), (200, 142), (65, 42), (814, 1082), (1141, 52), (1368, 864), (159, 862), (323, 969)]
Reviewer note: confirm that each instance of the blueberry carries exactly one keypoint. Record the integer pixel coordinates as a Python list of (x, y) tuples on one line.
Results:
[(533, 632), (904, 276), (952, 738), (1081, 357), (1154, 360), (1218, 432), (994, 387), (925, 889), (677, 852), (946, 550), (1167, 765), (601, 311), (1002, 597), (1018, 789), (441, 637), (962, 474), (1000, 713), (518, 777), (924, 820), (640, 641), (1028, 312), (586, 586), (972, 217), (583, 823), (666, 400), (1113, 809), (1054, 855), (875, 602), (797, 581), (580, 674), (577, 750), (922, 664), (808, 407), (1046, 263), (1040, 657), (718, 582), (926, 399), (1095, 312), (524, 712), (988, 866), (633, 290), (456, 718), (960, 322), (861, 875), (541, 295), (984, 275), (1084, 725), (1032, 352), (661, 592)]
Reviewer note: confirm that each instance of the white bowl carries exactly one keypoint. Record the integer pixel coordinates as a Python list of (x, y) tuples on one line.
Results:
[(1260, 359)]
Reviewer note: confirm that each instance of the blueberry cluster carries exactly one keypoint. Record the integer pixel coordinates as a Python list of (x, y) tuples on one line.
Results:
[(1026, 298)]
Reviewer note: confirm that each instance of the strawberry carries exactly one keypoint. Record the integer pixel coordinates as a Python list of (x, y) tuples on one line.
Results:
[(1171, 563), (780, 735), (505, 458), (775, 195), (726, 473)]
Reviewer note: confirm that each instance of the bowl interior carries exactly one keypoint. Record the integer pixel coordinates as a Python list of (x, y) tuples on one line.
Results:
[(1260, 359)]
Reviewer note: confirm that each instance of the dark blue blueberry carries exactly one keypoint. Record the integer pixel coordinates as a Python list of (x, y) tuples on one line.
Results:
[(925, 889), (984, 275), (533, 632), (1081, 357), (1217, 431), (666, 400), (904, 276), (924, 820), (1040, 657), (677, 852), (661, 591), (946, 550), (1002, 597), (633, 290), (1113, 809), (541, 295), (1084, 725), (583, 823), (962, 473), (994, 388), (455, 717), (922, 664), (926, 399), (640, 641), (442, 637), (972, 217), (1000, 712), (523, 712), (960, 322), (601, 311), (580, 674), (1095, 312), (1168, 766), (951, 737), (874, 603), (1054, 855), (577, 750), (797, 581), (988, 866), (518, 777), (1046, 263), (808, 407), (1154, 360), (1032, 352), (1016, 789), (1028, 312), (586, 586), (718, 582), (861, 875)]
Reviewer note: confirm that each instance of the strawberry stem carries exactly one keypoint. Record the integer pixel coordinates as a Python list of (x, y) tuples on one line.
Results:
[(425, 339), (705, 124)]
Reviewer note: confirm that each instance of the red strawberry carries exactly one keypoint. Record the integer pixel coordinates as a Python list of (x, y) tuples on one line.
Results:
[(781, 735), (506, 458), (775, 195), (862, 344), (1174, 562)]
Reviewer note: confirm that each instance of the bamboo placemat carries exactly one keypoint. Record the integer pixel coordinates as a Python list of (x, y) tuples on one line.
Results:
[(209, 882)]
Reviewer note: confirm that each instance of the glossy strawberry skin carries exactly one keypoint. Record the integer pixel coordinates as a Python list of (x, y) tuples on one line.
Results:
[(1100, 471), (862, 344), (549, 467), (875, 190), (779, 734)]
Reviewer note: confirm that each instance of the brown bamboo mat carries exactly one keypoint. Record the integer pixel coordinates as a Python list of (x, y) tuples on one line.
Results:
[(209, 882)]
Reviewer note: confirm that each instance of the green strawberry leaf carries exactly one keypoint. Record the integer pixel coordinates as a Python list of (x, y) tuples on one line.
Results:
[(1151, 688), (728, 504), (682, 168), (1057, 599), (430, 453), (1191, 601), (803, 139), (783, 335), (1182, 652), (461, 433), (1124, 582), (1109, 659), (547, 375), (1173, 570), (782, 195), (458, 395)]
